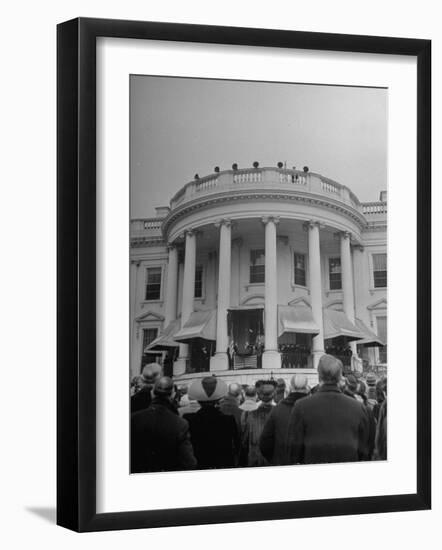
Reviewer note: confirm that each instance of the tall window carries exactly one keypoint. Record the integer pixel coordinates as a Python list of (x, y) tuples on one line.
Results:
[(381, 323), (257, 266), (299, 269), (149, 335), (334, 273), (198, 281), (380, 270), (153, 283)]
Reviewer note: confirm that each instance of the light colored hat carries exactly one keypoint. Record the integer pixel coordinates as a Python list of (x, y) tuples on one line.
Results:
[(209, 388), (151, 372)]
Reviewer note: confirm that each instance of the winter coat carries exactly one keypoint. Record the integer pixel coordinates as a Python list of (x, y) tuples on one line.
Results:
[(272, 442), (328, 427), (160, 440), (215, 438)]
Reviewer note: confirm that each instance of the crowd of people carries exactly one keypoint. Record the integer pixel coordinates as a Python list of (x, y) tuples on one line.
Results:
[(214, 425)]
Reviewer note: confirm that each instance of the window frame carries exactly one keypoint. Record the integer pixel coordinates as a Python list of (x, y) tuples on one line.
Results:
[(146, 277), (251, 265), (304, 254), (329, 258), (372, 270)]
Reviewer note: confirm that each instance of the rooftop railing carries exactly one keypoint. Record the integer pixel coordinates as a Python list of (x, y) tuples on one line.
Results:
[(266, 177), (254, 178)]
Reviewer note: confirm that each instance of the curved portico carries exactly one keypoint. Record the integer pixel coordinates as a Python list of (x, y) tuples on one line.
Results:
[(254, 250)]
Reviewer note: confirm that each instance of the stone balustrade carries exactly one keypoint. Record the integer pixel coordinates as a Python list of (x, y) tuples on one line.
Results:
[(267, 177)]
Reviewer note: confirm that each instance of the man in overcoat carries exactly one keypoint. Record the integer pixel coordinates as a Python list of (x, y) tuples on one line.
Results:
[(160, 439), (215, 436), (273, 438), (328, 426)]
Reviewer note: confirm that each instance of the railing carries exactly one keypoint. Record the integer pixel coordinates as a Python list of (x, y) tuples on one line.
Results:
[(377, 207), (147, 226), (294, 359), (268, 176)]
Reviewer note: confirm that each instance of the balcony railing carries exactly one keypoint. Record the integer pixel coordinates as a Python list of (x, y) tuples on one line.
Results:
[(377, 207), (267, 177)]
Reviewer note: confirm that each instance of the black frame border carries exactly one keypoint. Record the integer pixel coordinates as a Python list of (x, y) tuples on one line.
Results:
[(76, 273)]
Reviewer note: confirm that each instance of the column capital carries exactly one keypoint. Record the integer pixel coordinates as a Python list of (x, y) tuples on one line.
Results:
[(266, 219), (358, 247), (223, 221), (311, 224), (136, 263), (342, 235), (172, 246)]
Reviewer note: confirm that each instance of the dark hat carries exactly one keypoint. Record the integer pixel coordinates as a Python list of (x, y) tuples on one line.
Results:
[(371, 379), (209, 388), (163, 387), (352, 382)]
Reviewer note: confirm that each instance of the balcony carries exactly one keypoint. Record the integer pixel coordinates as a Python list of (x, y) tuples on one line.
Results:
[(278, 178), (268, 179)]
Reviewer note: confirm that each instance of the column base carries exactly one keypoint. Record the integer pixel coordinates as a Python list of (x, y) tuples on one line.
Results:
[(179, 366), (271, 360), (219, 361), (316, 356)]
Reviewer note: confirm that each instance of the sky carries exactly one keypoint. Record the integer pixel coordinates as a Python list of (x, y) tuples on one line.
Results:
[(183, 126)]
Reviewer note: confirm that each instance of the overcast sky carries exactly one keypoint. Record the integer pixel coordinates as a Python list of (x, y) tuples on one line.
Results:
[(183, 126)]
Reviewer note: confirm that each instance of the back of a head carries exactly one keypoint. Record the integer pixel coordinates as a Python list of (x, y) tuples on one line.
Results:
[(250, 392), (352, 383), (164, 387), (266, 391), (235, 390), (329, 369), (299, 383)]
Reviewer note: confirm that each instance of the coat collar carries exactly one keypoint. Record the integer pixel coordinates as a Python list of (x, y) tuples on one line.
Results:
[(329, 388)]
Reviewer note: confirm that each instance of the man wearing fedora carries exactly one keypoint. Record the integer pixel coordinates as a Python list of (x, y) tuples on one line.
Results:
[(214, 435), (160, 438)]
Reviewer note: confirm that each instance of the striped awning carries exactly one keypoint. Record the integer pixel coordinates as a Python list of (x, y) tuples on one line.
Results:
[(201, 324), (296, 319), (165, 340), (337, 324)]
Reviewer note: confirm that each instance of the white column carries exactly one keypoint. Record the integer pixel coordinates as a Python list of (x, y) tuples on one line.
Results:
[(220, 361), (179, 366), (315, 285), (135, 355), (271, 358), (347, 277), (347, 281), (235, 285), (170, 312)]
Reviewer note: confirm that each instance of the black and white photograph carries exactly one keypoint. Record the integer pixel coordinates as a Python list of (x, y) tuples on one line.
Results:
[(258, 274)]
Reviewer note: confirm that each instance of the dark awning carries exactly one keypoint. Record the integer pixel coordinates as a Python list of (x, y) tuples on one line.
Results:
[(296, 319), (201, 324), (165, 340), (370, 338), (337, 324)]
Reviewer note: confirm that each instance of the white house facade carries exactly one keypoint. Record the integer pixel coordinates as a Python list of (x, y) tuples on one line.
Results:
[(255, 273)]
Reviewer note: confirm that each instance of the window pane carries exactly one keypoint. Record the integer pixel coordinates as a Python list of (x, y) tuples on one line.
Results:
[(334, 270), (153, 283), (257, 267), (380, 270), (198, 282), (257, 257), (380, 262), (300, 269), (257, 273)]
